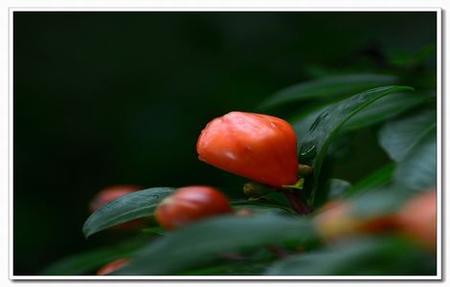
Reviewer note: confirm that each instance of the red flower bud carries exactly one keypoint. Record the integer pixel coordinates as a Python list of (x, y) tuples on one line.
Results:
[(112, 266), (335, 220), (189, 204), (260, 147)]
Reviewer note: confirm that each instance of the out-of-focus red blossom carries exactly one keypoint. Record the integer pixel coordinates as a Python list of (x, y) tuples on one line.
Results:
[(260, 147), (417, 219), (189, 204), (335, 220), (112, 266), (112, 193)]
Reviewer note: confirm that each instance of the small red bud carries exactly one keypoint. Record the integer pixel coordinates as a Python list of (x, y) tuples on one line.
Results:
[(112, 266), (260, 147), (189, 204)]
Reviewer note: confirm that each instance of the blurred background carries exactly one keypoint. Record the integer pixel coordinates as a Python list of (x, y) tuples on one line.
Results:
[(120, 98)]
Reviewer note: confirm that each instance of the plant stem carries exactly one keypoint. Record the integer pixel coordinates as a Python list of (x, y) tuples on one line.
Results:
[(296, 203)]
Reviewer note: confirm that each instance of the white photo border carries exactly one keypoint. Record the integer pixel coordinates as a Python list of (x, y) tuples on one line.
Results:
[(440, 154)]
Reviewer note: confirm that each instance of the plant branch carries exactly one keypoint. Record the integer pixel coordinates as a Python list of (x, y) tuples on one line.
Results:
[(296, 203)]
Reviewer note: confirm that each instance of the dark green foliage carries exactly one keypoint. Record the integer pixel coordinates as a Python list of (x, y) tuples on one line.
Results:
[(314, 145), (202, 248), (360, 256), (202, 242), (89, 261)]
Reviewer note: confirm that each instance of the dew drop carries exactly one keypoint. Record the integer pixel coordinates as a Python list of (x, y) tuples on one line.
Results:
[(308, 149)]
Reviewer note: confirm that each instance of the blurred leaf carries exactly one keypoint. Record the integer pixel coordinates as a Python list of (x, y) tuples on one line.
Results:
[(400, 137), (128, 207), (418, 170), (329, 88), (156, 230), (409, 59), (250, 264), (379, 202), (337, 188), (91, 260), (260, 208), (204, 241), (314, 145), (375, 180), (362, 256), (229, 268)]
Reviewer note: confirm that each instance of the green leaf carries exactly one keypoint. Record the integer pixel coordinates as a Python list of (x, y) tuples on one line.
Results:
[(314, 145), (418, 170), (327, 88), (385, 108), (128, 207), (89, 261), (205, 241), (375, 180), (400, 137), (360, 256), (379, 202)]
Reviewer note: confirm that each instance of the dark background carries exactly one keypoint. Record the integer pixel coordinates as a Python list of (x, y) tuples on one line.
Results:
[(120, 98)]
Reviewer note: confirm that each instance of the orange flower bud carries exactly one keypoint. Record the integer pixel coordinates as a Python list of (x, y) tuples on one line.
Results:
[(417, 219), (260, 147), (112, 266), (336, 221), (189, 204)]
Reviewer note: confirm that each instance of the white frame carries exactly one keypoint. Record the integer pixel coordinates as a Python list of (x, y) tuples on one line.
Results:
[(440, 108)]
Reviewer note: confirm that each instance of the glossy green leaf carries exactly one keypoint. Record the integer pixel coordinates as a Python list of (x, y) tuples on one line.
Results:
[(418, 171), (128, 207), (314, 145), (90, 261), (205, 241), (360, 256), (398, 138), (385, 108), (328, 87)]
